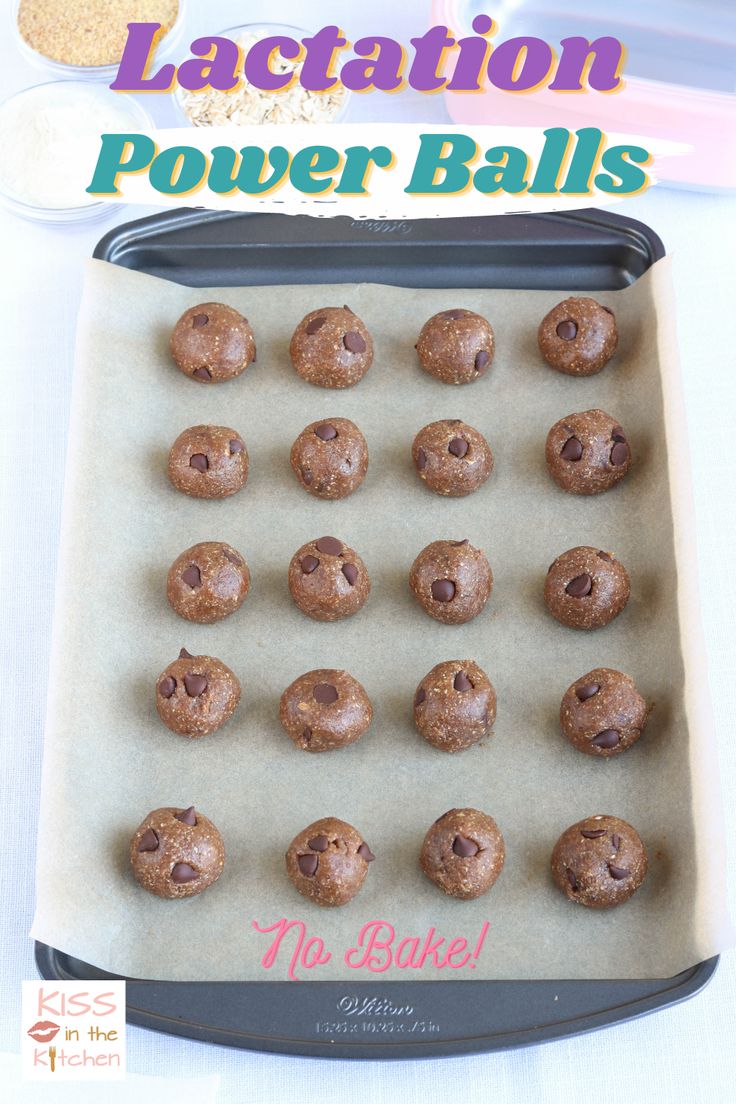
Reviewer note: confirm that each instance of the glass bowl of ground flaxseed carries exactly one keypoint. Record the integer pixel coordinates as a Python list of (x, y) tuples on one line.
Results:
[(84, 39)]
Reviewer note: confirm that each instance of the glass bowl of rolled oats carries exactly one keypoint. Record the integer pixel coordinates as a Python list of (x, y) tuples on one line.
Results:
[(250, 105)]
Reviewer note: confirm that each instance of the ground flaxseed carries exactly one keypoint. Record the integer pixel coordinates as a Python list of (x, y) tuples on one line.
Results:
[(88, 32)]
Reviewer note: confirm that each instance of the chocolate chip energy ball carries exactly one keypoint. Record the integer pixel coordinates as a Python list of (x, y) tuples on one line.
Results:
[(586, 588), (208, 461), (599, 862), (330, 458), (212, 342), (452, 458), (207, 582), (328, 580), (603, 713), (328, 861), (451, 580), (456, 346), (331, 347), (455, 705), (463, 853), (578, 337), (587, 453), (325, 709), (195, 695), (176, 852)]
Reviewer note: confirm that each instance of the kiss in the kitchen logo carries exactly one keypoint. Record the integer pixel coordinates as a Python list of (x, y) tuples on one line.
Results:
[(73, 1031)]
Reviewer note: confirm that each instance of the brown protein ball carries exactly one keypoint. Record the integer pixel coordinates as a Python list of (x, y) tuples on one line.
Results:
[(330, 458), (599, 862), (463, 853), (586, 588), (328, 861), (452, 458), (451, 580), (325, 709), (331, 347), (212, 342), (587, 453), (455, 705), (207, 582), (195, 695), (208, 461), (456, 346), (578, 337), (176, 852), (328, 580), (603, 713)]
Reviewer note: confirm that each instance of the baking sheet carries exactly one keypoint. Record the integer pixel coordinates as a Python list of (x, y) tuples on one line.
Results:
[(109, 760)]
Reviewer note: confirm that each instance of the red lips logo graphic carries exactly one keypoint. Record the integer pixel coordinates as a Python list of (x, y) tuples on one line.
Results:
[(44, 1031)]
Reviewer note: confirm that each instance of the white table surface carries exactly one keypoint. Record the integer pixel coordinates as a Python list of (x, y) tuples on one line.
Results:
[(684, 1053)]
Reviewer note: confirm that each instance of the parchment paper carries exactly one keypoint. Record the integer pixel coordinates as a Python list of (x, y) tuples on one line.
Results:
[(109, 760)]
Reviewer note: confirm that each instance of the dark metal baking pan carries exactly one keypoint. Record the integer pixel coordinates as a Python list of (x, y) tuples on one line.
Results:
[(586, 250)]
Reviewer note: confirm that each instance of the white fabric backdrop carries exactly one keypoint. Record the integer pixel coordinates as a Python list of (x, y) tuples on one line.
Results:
[(681, 1054)]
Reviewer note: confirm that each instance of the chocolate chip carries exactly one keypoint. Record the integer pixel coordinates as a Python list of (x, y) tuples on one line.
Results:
[(464, 847), (458, 447), (616, 841), (192, 576), (617, 433), (199, 320), (607, 739), (350, 572), (592, 833), (182, 872), (318, 843), (233, 557), (587, 690), (443, 590), (567, 330), (308, 864), (420, 696), (184, 654), (481, 360), (331, 546), (421, 459), (458, 312), (348, 309), (365, 852), (308, 564), (619, 454), (572, 449), (325, 693), (579, 586), (236, 445), (570, 874), (462, 682), (605, 556), (354, 342), (459, 544), (307, 476), (148, 841), (618, 872), (199, 462), (195, 685), (167, 686), (187, 816), (607, 310), (326, 432), (202, 373), (315, 324)]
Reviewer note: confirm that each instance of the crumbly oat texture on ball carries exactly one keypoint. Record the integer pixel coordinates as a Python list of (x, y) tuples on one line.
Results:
[(331, 347), (463, 853), (328, 580), (208, 461), (176, 852), (207, 582), (600, 862), (325, 709), (196, 695), (328, 862), (451, 580), (455, 705), (330, 458), (578, 337), (586, 588), (587, 453), (456, 346), (452, 458), (212, 342), (603, 713)]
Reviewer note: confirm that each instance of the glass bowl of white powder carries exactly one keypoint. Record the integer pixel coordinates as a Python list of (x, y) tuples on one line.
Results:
[(50, 135)]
